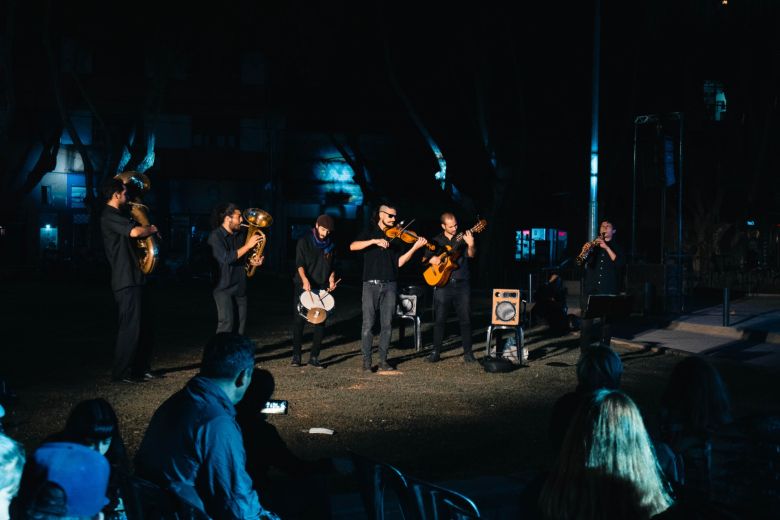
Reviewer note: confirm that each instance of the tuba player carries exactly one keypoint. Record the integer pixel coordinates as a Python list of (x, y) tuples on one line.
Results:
[(230, 247)]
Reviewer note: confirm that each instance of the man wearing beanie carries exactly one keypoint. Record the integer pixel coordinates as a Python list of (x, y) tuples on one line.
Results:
[(314, 272)]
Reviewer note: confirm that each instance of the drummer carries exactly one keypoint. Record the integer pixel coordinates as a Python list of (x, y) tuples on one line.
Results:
[(314, 272)]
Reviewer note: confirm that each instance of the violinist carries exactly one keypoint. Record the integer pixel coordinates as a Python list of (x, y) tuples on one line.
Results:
[(381, 260), (603, 273), (457, 291)]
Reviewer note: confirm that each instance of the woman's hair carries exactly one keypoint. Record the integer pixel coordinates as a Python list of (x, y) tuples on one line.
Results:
[(607, 466), (92, 421), (696, 396), (599, 367)]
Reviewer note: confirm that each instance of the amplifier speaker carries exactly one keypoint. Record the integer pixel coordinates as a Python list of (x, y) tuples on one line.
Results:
[(506, 307)]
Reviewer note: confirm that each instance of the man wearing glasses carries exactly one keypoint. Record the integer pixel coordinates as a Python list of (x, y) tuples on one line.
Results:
[(380, 274)]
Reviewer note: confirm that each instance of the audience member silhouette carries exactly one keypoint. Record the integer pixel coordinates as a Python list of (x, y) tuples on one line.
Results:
[(598, 367), (11, 464), (694, 405), (193, 445), (93, 423), (302, 491), (606, 467), (63, 480)]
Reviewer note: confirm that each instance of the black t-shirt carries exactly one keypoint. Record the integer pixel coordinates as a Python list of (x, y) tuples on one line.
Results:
[(602, 275), (120, 249), (315, 263), (462, 272), (230, 268), (378, 263)]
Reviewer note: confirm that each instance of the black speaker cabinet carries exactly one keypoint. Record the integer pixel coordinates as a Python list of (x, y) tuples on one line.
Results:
[(506, 307)]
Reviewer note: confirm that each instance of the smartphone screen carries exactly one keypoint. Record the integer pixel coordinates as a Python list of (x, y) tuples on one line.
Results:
[(275, 406)]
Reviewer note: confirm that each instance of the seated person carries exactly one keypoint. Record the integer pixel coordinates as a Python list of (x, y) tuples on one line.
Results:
[(265, 449), (63, 480), (193, 445), (11, 464), (93, 423)]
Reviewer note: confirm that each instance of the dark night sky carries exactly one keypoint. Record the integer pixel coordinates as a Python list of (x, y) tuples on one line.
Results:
[(532, 60)]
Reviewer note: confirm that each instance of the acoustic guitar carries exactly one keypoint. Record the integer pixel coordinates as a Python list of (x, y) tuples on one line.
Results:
[(439, 275)]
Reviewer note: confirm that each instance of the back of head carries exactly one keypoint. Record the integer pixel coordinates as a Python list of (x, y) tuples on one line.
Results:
[(94, 421), (110, 186), (606, 448), (696, 396), (599, 367), (226, 355), (11, 464), (64, 480)]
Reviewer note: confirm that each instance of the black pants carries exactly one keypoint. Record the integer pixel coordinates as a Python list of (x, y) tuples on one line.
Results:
[(377, 296), (135, 338), (298, 323), (228, 307), (458, 294)]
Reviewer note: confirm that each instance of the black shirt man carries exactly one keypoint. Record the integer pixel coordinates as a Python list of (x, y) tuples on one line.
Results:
[(314, 255), (134, 341), (381, 261), (229, 247), (457, 292), (603, 274)]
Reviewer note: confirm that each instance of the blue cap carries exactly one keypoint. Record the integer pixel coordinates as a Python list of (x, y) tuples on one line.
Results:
[(81, 472)]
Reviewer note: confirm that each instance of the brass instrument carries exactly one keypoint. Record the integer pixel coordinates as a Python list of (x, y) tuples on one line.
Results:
[(587, 248), (255, 219), (147, 249)]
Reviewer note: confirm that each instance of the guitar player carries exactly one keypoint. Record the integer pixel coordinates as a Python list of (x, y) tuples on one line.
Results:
[(457, 291)]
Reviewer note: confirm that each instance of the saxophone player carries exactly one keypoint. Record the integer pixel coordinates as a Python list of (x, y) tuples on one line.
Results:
[(230, 247), (603, 274)]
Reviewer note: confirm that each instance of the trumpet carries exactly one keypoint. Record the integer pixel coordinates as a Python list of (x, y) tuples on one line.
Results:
[(255, 219), (588, 248)]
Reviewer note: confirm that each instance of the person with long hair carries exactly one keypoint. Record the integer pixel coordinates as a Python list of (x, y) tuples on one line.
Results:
[(607, 466), (93, 423)]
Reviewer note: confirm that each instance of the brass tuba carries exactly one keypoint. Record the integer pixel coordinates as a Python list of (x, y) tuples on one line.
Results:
[(147, 250), (255, 219)]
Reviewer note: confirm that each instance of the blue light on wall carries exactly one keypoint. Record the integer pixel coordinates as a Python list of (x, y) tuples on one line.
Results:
[(337, 178)]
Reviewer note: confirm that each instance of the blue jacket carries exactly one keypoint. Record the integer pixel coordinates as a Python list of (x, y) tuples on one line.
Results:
[(193, 446)]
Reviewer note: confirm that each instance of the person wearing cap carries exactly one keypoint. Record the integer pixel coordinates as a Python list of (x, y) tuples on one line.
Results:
[(63, 480), (314, 272)]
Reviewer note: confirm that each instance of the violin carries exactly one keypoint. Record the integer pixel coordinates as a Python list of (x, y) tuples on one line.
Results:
[(406, 235)]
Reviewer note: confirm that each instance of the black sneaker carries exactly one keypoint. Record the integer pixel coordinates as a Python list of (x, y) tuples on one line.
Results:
[(314, 362), (468, 357), (367, 366), (433, 358), (296, 362), (384, 366)]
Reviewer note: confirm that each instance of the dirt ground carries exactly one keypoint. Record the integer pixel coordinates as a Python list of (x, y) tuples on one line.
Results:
[(443, 421)]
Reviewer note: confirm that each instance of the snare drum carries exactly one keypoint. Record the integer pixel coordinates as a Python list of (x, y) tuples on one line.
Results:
[(314, 306)]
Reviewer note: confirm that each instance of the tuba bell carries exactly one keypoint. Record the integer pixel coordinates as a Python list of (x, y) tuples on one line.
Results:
[(146, 249), (255, 219)]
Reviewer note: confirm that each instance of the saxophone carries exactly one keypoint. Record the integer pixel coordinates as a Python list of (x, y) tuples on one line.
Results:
[(588, 248), (255, 219), (147, 249)]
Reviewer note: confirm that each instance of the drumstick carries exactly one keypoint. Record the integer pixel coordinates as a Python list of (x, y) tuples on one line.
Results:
[(334, 285)]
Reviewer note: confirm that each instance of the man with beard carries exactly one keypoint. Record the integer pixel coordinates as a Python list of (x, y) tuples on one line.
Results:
[(314, 272), (228, 246), (380, 275), (134, 339)]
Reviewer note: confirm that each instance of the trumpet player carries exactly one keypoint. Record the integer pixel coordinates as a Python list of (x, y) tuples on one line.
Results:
[(229, 246), (603, 270)]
